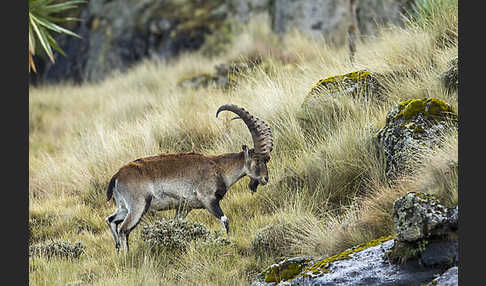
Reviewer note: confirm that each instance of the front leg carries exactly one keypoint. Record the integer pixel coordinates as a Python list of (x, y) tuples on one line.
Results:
[(181, 212), (214, 208)]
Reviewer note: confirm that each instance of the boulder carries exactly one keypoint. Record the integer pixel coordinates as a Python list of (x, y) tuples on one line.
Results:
[(426, 231), (412, 125), (421, 216), (357, 83)]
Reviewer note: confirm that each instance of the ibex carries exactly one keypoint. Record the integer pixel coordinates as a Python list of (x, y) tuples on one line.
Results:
[(186, 181)]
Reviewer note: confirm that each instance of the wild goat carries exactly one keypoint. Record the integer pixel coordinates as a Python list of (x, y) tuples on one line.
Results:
[(186, 181)]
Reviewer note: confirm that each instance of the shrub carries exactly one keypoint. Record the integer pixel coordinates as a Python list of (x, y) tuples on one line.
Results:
[(176, 234), (63, 249)]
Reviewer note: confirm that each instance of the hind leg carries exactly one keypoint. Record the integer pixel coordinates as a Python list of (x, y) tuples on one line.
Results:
[(113, 220), (131, 220)]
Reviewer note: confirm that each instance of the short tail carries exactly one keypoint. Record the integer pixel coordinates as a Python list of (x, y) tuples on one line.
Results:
[(111, 186)]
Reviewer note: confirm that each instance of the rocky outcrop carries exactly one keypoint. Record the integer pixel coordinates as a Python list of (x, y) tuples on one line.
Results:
[(378, 262), (331, 18), (410, 126), (117, 34), (328, 18)]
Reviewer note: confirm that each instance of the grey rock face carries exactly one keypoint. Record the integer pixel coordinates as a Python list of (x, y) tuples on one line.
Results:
[(448, 278), (331, 18), (327, 18), (380, 12)]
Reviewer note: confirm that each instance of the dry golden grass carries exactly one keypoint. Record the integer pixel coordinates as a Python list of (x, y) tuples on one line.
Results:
[(327, 186)]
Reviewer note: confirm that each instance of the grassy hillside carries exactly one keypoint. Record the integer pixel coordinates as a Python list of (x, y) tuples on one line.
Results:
[(327, 188)]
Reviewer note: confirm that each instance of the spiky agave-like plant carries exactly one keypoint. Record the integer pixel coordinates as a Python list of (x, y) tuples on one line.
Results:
[(42, 23)]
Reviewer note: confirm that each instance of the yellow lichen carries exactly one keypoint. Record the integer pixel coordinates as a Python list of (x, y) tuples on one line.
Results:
[(432, 108), (284, 271)]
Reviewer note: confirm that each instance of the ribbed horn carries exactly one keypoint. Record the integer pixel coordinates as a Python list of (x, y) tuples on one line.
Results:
[(260, 131)]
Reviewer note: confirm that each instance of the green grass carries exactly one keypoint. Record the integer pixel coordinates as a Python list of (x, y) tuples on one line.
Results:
[(327, 190)]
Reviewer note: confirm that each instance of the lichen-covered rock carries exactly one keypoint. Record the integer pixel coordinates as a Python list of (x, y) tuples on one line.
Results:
[(419, 215), (425, 245), (357, 83), (426, 231), (226, 75), (412, 125), (448, 278), (176, 234), (450, 78), (198, 81), (365, 264), (62, 249)]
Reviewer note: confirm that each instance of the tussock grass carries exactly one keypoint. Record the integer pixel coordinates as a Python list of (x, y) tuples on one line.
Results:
[(327, 189)]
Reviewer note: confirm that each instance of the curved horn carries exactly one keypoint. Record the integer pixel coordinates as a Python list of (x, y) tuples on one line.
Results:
[(260, 131)]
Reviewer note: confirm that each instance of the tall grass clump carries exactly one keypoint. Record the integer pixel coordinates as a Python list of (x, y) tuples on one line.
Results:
[(327, 189)]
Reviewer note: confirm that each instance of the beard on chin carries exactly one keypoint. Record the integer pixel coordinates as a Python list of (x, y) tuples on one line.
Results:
[(253, 185)]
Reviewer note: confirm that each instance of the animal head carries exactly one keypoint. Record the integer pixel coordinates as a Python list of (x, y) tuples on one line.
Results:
[(256, 167), (256, 159)]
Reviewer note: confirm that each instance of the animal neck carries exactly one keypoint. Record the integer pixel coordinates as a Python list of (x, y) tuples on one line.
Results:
[(233, 166)]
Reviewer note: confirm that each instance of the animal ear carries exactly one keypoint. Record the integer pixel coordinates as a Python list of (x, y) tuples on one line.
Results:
[(245, 149)]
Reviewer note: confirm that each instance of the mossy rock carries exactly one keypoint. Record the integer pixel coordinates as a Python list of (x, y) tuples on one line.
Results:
[(357, 83), (411, 126), (227, 74)]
